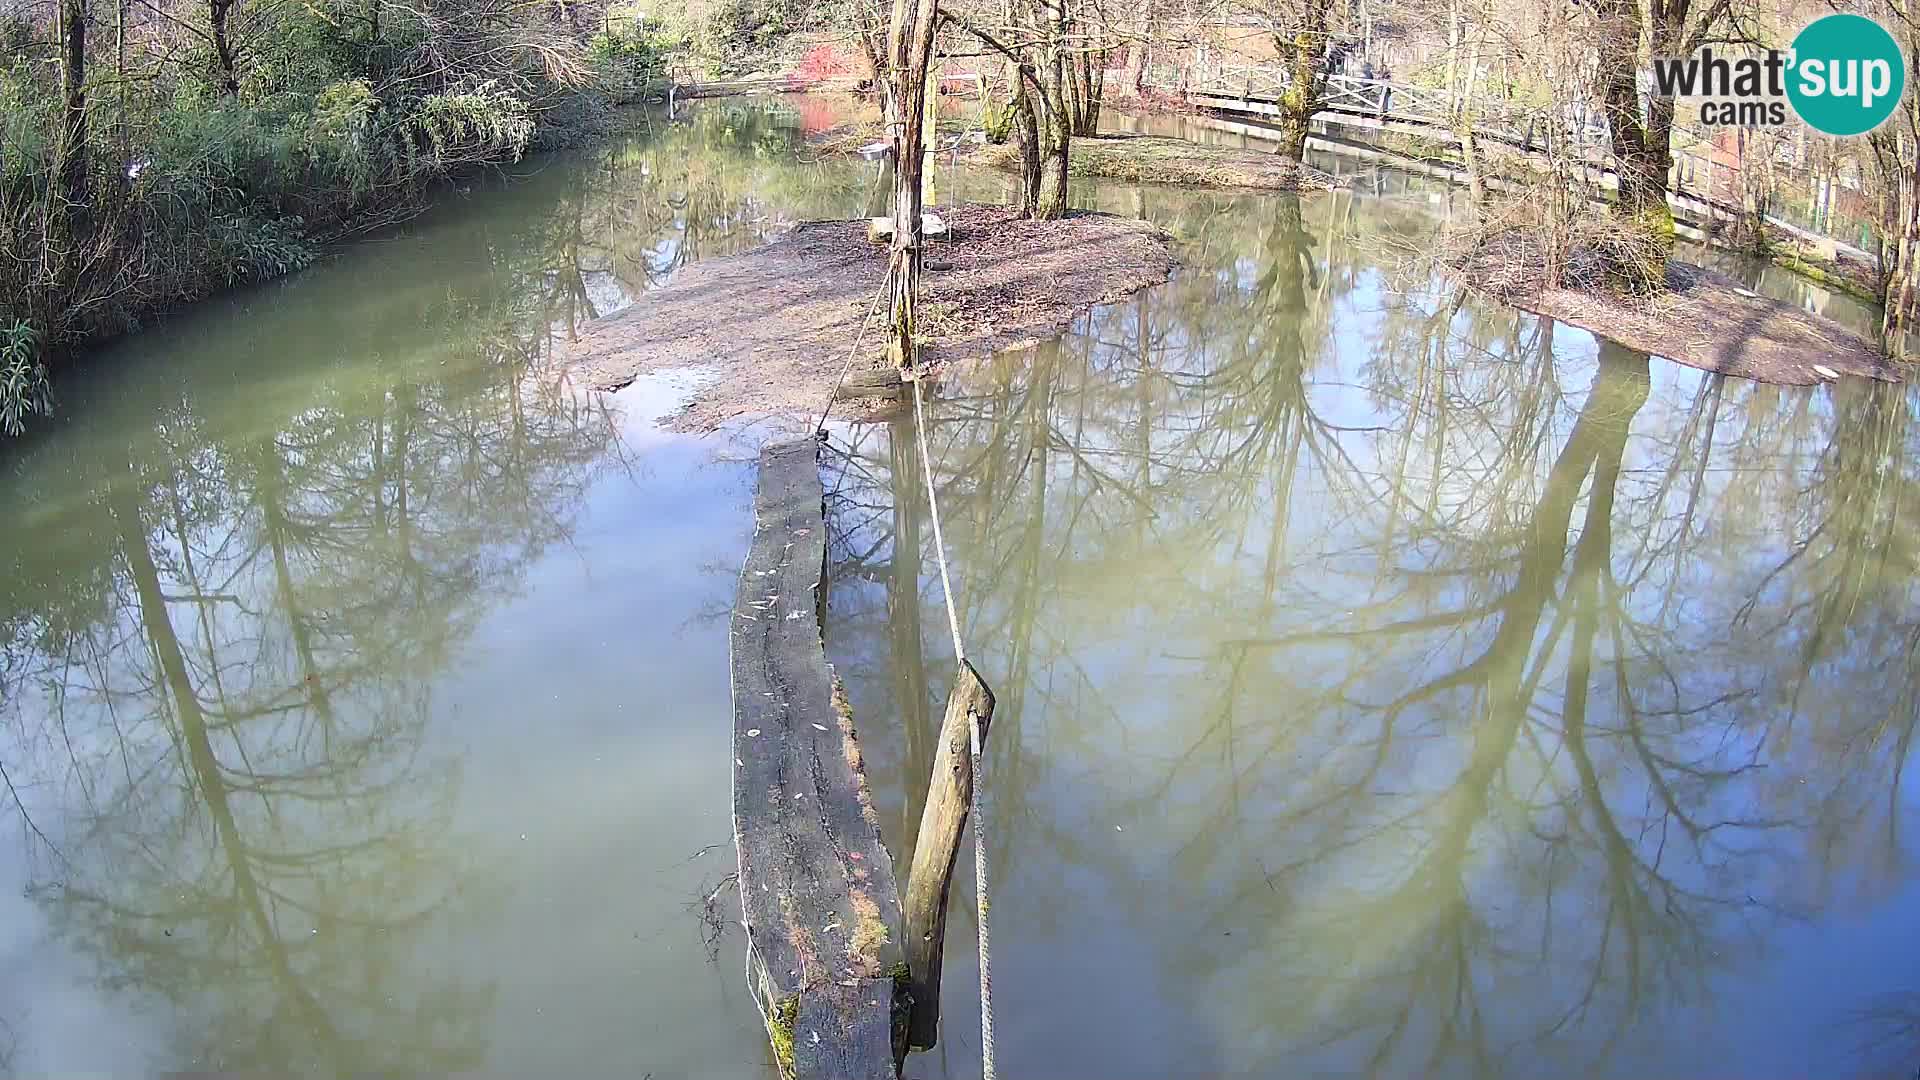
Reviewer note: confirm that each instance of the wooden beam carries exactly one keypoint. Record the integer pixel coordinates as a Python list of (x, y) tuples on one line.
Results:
[(817, 889), (942, 823)]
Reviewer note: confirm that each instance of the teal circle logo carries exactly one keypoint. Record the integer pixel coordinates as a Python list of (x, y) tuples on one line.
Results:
[(1845, 74)]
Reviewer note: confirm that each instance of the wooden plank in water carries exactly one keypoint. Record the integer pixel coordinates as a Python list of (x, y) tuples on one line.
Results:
[(817, 886), (942, 820)]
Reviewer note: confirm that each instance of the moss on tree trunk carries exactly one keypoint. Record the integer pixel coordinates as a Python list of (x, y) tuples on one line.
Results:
[(1305, 53)]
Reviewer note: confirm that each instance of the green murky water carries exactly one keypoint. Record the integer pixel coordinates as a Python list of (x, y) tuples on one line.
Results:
[(1390, 684), (364, 689), (1393, 685)]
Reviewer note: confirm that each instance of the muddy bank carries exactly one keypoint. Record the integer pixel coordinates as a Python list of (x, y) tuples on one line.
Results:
[(768, 331), (1160, 159), (1709, 321)]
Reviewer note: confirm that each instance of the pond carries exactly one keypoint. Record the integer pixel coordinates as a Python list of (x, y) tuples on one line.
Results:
[(1390, 683), (364, 688), (1393, 684)]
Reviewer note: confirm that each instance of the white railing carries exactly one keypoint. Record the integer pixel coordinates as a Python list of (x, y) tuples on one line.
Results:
[(1260, 87), (1580, 129)]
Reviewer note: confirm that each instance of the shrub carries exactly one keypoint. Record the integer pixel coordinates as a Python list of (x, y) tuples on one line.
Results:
[(631, 57), (483, 122), (820, 62), (1525, 245), (731, 34), (188, 190), (23, 378)]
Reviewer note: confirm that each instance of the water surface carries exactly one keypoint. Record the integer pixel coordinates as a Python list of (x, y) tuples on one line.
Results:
[(363, 689), (1391, 684)]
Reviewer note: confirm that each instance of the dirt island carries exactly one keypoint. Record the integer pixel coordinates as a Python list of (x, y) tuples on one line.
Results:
[(1694, 316), (769, 330)]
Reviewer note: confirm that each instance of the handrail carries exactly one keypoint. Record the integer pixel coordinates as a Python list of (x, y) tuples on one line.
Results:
[(1495, 118)]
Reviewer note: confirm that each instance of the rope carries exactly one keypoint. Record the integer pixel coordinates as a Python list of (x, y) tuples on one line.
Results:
[(939, 542), (980, 905), (977, 808), (851, 353)]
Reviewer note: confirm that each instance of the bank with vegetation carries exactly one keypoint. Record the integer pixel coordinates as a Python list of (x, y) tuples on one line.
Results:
[(154, 153)]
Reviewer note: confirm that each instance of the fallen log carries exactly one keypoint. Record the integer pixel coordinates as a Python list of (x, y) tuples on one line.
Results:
[(817, 890)]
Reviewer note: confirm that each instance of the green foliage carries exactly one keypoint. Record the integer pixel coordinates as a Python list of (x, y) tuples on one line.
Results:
[(189, 189), (343, 111), (632, 57), (306, 54), (23, 378), (638, 46), (780, 1032), (481, 123), (16, 35), (26, 121), (245, 249), (728, 36)]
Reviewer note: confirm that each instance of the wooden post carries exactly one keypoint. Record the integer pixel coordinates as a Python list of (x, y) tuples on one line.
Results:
[(938, 843)]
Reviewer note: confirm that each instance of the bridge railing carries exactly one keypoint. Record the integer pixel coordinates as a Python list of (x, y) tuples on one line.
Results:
[(1495, 117), (1578, 132), (1249, 82)]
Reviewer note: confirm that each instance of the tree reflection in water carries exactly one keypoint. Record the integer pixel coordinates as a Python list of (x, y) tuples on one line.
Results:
[(1472, 704), (222, 639), (261, 828), (236, 593)]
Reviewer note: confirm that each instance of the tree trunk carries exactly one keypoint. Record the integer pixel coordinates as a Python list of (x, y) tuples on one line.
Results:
[(1641, 148), (910, 46), (1050, 198), (1453, 52), (1465, 120), (1074, 89), (1026, 133), (1896, 154), (1756, 184), (1897, 315), (119, 136), (1052, 115), (73, 122), (1137, 53), (1086, 79), (1098, 82), (903, 260), (217, 12), (1305, 56)]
